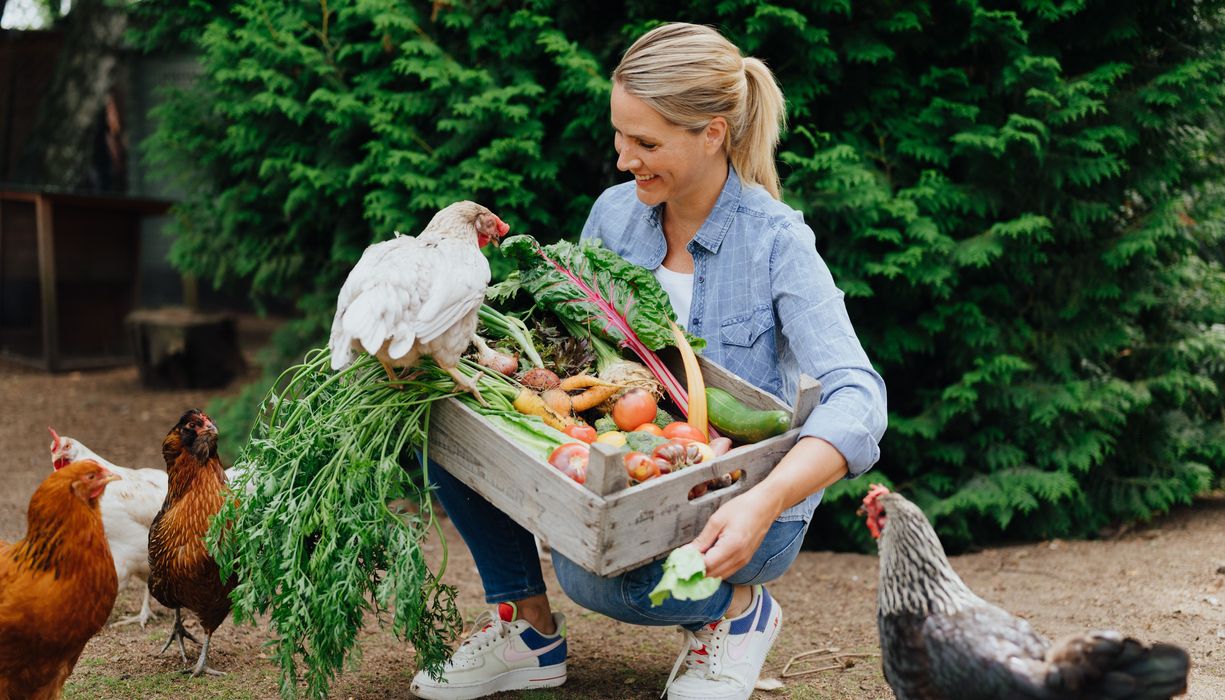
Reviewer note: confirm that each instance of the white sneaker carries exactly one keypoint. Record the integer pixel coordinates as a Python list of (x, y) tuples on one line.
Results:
[(504, 653), (723, 659)]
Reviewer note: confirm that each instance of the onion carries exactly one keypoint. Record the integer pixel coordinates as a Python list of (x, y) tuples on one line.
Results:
[(492, 359)]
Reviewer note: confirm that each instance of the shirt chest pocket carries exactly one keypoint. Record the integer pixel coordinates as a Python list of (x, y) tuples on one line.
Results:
[(744, 329)]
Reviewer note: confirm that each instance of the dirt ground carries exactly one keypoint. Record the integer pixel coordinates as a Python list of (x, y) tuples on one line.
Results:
[(1164, 581)]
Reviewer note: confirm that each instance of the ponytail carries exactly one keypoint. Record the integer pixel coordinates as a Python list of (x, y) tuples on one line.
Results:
[(764, 116)]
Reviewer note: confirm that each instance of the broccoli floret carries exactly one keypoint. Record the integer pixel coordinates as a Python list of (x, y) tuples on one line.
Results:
[(663, 418), (604, 424), (642, 441)]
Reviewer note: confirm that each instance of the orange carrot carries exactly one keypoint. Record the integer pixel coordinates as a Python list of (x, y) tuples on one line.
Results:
[(529, 403), (558, 400), (594, 396), (583, 381)]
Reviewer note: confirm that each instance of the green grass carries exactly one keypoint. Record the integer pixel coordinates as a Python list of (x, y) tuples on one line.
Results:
[(157, 685)]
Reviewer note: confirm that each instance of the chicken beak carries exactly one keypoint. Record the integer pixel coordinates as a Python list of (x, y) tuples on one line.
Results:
[(109, 476), (501, 228)]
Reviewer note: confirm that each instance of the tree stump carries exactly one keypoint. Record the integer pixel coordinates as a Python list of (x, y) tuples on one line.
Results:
[(181, 348)]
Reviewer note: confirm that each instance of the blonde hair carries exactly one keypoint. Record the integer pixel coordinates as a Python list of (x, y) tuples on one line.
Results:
[(691, 74)]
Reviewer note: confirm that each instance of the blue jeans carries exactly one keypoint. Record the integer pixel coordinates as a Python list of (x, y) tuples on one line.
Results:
[(509, 566)]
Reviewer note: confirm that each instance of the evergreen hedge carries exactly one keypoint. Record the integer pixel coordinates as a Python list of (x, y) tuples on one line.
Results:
[(1022, 201)]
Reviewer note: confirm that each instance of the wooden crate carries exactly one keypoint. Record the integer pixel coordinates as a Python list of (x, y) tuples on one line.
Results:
[(605, 526)]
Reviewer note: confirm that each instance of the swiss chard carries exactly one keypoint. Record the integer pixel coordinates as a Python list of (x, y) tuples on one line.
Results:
[(594, 288)]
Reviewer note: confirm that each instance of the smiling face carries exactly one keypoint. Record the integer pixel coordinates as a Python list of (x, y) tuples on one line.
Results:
[(669, 163)]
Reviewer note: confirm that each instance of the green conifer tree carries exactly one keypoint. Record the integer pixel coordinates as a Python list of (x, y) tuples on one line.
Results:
[(1022, 201)]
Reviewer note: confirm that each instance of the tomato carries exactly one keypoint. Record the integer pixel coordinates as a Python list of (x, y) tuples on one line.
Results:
[(706, 454), (612, 437), (679, 453), (578, 431), (571, 459), (640, 467), (649, 428), (635, 407), (681, 429)]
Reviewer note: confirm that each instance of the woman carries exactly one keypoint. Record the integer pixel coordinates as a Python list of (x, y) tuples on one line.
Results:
[(696, 125)]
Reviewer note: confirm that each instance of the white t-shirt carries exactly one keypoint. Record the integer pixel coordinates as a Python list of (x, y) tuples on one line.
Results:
[(679, 286)]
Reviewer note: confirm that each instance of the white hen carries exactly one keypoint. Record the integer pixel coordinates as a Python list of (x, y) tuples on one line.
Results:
[(128, 508), (413, 296)]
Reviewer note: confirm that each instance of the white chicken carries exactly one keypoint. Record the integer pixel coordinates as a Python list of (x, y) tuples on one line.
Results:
[(128, 508), (414, 296)]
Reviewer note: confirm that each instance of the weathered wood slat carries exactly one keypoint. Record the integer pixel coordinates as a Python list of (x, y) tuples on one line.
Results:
[(605, 470), (604, 526), (540, 498), (646, 522)]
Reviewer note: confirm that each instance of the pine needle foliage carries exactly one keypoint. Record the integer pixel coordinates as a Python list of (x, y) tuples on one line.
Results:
[(1021, 200)]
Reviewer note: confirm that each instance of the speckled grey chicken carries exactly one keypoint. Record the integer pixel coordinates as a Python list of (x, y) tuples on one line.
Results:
[(940, 641), (413, 296)]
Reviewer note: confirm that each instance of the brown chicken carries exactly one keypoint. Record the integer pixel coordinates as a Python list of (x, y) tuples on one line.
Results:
[(57, 585), (940, 641), (182, 574)]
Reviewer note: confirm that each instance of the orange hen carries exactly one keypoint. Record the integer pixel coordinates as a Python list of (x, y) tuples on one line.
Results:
[(57, 585), (182, 574)]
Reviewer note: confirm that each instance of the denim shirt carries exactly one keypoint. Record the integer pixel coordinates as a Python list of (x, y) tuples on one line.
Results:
[(766, 304)]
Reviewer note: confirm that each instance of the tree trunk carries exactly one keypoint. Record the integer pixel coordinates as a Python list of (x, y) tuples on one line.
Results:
[(60, 150)]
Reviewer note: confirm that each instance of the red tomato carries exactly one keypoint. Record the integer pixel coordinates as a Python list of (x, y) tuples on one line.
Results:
[(640, 467), (678, 452), (571, 459), (649, 428), (578, 431), (680, 429), (634, 408)]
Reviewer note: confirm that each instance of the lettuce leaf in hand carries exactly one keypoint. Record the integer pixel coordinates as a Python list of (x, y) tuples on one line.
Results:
[(684, 577)]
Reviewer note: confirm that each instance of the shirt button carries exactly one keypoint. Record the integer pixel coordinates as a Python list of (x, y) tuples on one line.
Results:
[(701, 279)]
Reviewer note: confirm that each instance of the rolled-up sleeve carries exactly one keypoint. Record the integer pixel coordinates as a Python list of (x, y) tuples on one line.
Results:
[(852, 415)]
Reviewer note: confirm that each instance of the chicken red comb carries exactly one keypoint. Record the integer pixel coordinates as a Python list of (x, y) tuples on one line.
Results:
[(875, 491), (55, 438)]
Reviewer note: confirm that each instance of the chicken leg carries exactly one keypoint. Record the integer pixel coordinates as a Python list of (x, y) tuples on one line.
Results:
[(146, 613), (395, 379), (202, 663), (468, 385), (178, 633)]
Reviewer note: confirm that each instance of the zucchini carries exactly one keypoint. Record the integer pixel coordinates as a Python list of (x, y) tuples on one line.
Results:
[(741, 423)]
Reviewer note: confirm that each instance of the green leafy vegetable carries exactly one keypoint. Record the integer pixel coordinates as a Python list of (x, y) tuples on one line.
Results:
[(310, 535), (684, 577), (593, 289), (642, 441)]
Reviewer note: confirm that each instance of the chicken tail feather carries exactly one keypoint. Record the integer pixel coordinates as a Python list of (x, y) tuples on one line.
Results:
[(1110, 666), (366, 319)]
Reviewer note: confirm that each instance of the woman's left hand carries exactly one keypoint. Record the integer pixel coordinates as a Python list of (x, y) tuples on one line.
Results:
[(734, 532)]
